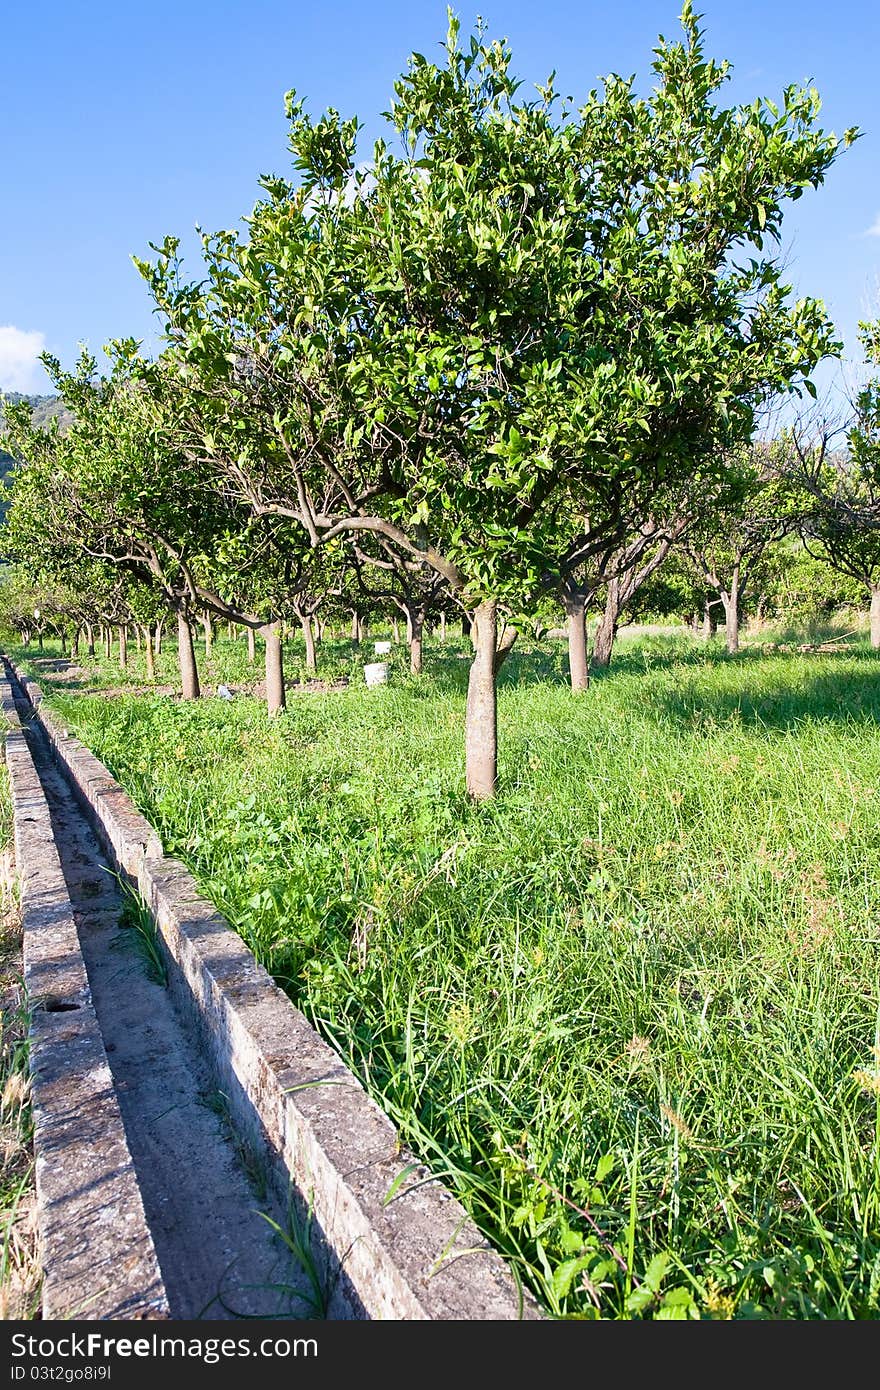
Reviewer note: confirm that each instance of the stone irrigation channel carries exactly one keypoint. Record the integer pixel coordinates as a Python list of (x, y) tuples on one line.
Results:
[(200, 1151)]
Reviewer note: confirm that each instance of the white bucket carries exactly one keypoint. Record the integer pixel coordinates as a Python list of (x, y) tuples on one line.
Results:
[(381, 648), (376, 673)]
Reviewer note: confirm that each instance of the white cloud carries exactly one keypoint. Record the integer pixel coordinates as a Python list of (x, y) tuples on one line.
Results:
[(20, 369), (874, 230)]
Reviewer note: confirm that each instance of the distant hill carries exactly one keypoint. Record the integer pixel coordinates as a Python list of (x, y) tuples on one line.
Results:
[(45, 409)]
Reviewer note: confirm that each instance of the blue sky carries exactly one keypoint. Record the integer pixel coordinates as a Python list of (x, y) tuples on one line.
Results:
[(123, 122)]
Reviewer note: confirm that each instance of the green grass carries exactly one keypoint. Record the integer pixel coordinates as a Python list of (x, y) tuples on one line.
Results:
[(136, 919), (630, 1009)]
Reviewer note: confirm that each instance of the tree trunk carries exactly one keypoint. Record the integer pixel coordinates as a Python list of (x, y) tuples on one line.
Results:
[(309, 639), (442, 627), (137, 638), (465, 625), (90, 638), (355, 629), (74, 646), (108, 643), (275, 698), (40, 640), (875, 616), (481, 720), (230, 631), (710, 623), (415, 623), (208, 628), (731, 618), (157, 643), (606, 628), (122, 636), (148, 653), (186, 658), (395, 628), (603, 642), (576, 616), (409, 627), (251, 645), (62, 638)]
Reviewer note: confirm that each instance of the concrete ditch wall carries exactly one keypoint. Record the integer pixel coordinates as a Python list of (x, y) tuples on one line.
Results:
[(96, 1251), (391, 1241)]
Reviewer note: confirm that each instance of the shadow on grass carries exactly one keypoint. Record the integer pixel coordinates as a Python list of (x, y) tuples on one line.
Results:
[(532, 663), (849, 696)]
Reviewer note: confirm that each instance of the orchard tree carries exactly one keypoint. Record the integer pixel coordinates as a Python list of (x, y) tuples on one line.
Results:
[(629, 569), (841, 482), (107, 490), (796, 580), (114, 489), (384, 577), (727, 546), (519, 314)]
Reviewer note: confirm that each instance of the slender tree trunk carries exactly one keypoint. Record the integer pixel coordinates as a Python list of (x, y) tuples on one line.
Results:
[(186, 657), (442, 627), (875, 617), (90, 639), (731, 616), (319, 630), (395, 628), (355, 629), (74, 646), (122, 636), (148, 653), (576, 622), (157, 644), (606, 628), (309, 639), (208, 629), (710, 623), (40, 639), (252, 645), (481, 720), (230, 631), (275, 698), (409, 627), (137, 638), (415, 623), (62, 638), (108, 642)]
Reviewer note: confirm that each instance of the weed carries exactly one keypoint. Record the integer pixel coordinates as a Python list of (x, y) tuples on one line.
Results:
[(296, 1234), (137, 918), (251, 1162)]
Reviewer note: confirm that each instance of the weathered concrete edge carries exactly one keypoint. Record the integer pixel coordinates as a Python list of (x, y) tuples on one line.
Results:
[(406, 1246), (96, 1250)]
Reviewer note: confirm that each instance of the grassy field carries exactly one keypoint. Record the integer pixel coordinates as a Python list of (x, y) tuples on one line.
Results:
[(630, 1009)]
